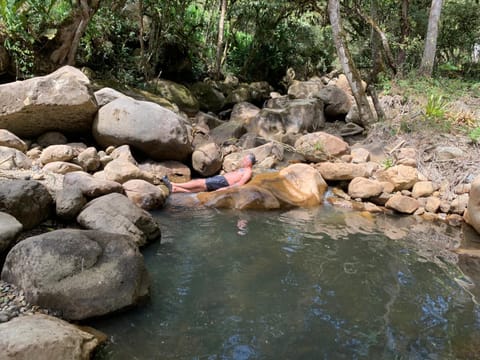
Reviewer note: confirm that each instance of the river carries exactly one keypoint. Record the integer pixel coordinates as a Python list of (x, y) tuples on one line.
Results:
[(320, 283)]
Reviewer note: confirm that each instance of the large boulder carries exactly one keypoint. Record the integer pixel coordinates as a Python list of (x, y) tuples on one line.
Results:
[(290, 117), (10, 228), (272, 150), (337, 102), (244, 112), (158, 132), (59, 101), (27, 200), (296, 185), (106, 95), (118, 214), (78, 273), (472, 214), (43, 337), (321, 146), (209, 98), (77, 188), (304, 89), (178, 94), (247, 197), (227, 131)]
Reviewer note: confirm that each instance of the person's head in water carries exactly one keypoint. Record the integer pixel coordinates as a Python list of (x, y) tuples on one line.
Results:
[(249, 160)]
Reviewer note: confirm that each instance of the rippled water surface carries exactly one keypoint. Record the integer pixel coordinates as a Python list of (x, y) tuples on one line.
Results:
[(300, 284)]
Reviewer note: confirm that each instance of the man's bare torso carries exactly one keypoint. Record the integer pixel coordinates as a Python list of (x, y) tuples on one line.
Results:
[(235, 176)]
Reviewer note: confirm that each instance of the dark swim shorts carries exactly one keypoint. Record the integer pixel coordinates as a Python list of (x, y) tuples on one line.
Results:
[(216, 182)]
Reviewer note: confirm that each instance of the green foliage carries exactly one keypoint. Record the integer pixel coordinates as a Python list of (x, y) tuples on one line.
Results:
[(436, 107), (474, 135), (27, 24), (387, 163)]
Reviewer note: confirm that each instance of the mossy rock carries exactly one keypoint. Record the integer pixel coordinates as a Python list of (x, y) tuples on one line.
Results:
[(176, 93)]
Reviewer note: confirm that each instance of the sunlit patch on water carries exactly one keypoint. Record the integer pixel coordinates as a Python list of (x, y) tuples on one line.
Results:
[(300, 284)]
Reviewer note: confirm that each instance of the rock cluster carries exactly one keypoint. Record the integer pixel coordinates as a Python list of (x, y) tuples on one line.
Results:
[(102, 189)]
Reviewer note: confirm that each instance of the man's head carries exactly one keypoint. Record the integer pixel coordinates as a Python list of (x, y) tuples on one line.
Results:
[(249, 160)]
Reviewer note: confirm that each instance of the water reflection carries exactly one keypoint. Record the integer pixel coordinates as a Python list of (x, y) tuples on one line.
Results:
[(301, 284)]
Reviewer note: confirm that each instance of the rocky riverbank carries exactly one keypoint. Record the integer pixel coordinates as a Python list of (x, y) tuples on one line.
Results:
[(80, 172)]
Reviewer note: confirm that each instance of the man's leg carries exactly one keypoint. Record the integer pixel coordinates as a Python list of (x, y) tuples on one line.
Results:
[(197, 185)]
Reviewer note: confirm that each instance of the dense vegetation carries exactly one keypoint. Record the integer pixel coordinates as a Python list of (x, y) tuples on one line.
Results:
[(136, 40)]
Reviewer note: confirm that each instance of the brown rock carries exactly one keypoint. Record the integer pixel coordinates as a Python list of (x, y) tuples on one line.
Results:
[(360, 155), (341, 171), (401, 176), (57, 153), (364, 188), (321, 146), (422, 188), (472, 215), (402, 204), (433, 204), (43, 337)]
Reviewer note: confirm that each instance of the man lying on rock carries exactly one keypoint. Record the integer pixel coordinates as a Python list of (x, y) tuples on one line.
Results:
[(234, 178)]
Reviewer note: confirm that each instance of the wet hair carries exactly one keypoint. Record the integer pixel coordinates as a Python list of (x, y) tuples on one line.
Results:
[(252, 159)]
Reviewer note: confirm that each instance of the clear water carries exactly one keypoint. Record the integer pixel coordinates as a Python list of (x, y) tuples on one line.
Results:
[(301, 284)]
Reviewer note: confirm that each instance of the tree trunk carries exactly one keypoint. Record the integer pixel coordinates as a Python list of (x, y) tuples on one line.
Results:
[(348, 66), (383, 38), (428, 58), (221, 26), (404, 33), (72, 31)]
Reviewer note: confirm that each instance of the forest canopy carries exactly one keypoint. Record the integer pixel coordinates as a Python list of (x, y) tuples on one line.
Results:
[(134, 41)]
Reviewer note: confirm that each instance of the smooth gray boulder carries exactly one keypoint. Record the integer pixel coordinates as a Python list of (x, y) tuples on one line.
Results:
[(337, 102), (9, 230), (27, 200), (77, 188), (118, 214), (61, 101), (145, 195), (78, 273), (156, 131), (43, 337)]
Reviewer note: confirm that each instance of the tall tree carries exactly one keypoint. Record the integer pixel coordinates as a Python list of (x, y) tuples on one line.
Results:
[(221, 25), (72, 30), (348, 66), (428, 58)]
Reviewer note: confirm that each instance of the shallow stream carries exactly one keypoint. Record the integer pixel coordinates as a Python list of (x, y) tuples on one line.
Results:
[(300, 284)]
